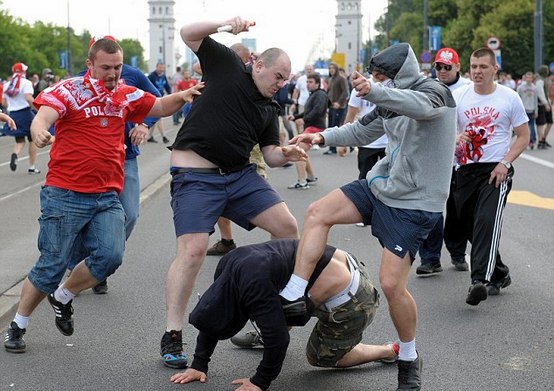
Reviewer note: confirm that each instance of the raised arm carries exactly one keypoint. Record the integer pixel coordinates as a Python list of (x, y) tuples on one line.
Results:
[(193, 34)]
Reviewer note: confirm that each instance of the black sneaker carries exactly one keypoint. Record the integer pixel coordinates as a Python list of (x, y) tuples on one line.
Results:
[(248, 340), (172, 350), (297, 312), (13, 162), (477, 293), (460, 265), (165, 140), (14, 342), (220, 248), (429, 268), (409, 374), (64, 313), (101, 288), (33, 171), (151, 140), (493, 288)]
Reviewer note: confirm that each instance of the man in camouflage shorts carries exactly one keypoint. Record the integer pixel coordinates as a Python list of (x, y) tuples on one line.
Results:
[(246, 286)]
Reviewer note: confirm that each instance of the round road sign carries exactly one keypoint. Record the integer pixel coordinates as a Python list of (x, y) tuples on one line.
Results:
[(493, 43)]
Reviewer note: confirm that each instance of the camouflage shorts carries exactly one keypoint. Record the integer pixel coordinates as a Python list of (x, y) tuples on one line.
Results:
[(338, 331), (257, 158)]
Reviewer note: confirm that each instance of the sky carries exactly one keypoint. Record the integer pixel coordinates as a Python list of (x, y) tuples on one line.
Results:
[(293, 25)]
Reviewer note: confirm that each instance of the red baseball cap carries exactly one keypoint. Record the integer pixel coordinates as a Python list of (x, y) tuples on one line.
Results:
[(99, 37), (19, 67), (447, 56)]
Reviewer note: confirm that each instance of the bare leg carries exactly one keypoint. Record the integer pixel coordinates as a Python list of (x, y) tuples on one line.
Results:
[(32, 154), (309, 169), (278, 221), (30, 298), (181, 276), (18, 147), (334, 208), (80, 279), (301, 171), (393, 276), (225, 228), (362, 354)]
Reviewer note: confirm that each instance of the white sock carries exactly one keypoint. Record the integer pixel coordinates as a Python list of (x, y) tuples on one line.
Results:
[(32, 167), (407, 351), (295, 288), (22, 321), (63, 295)]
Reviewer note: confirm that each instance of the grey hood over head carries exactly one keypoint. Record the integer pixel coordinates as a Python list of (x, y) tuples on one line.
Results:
[(399, 63)]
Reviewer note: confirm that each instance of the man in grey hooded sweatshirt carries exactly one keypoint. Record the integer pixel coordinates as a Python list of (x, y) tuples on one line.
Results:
[(402, 197)]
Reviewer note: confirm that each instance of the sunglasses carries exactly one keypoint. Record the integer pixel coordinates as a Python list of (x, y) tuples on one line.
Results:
[(439, 67)]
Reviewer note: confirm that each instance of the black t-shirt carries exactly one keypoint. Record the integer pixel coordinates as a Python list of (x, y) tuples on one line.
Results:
[(231, 115), (247, 283)]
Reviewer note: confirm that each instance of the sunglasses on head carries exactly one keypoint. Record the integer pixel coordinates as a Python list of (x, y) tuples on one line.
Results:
[(439, 67)]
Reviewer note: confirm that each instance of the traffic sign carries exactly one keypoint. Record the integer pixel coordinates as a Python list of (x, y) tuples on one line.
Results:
[(493, 43), (426, 56)]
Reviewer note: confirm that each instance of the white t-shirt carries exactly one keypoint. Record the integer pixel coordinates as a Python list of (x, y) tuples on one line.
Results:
[(489, 119), (365, 107), (18, 102), (302, 86)]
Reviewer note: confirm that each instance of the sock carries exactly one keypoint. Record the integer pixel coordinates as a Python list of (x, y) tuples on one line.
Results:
[(407, 351), (63, 295), (227, 242), (22, 321), (32, 167), (295, 288)]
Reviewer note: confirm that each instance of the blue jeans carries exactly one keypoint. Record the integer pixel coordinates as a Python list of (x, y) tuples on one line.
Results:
[(532, 131), (93, 223), (130, 196)]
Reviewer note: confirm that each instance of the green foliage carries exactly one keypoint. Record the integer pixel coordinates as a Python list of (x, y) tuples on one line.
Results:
[(39, 45), (467, 24)]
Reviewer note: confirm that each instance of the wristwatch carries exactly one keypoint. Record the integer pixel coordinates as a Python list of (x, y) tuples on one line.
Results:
[(506, 164)]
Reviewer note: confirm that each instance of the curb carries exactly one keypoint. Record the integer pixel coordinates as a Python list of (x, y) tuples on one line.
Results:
[(9, 300)]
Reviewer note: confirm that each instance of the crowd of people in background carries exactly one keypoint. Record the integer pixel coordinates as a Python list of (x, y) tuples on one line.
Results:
[(271, 116)]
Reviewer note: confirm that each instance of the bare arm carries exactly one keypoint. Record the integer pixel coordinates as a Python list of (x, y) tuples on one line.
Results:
[(276, 156), (7, 119), (193, 34), (45, 117), (500, 172), (169, 104)]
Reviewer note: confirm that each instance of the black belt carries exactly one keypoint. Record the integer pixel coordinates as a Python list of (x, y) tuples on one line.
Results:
[(200, 170)]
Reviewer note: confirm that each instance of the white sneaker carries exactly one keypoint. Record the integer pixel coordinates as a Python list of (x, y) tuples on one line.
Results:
[(299, 186)]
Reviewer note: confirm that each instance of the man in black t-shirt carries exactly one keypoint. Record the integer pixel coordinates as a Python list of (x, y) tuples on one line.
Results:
[(212, 176), (246, 286)]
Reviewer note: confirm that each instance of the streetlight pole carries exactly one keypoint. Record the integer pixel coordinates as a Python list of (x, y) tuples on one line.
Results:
[(425, 45), (538, 35), (69, 70)]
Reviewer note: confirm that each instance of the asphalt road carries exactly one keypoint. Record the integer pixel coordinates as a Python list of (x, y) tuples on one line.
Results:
[(505, 343)]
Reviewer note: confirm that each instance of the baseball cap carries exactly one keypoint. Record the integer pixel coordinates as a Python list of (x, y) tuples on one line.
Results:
[(99, 37), (19, 67), (447, 56)]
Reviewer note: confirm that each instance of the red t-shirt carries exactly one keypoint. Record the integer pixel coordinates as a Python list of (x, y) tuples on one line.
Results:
[(183, 85), (88, 153)]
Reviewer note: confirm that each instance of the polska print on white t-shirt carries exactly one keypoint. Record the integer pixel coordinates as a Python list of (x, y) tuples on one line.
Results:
[(489, 120)]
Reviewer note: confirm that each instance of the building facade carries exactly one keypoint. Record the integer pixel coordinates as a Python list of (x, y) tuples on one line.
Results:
[(348, 34), (162, 35)]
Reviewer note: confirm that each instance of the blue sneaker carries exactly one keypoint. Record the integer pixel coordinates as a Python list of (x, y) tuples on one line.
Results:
[(172, 350)]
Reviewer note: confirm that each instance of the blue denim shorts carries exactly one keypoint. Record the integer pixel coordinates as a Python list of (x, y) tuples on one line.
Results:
[(199, 199), (398, 230), (75, 225)]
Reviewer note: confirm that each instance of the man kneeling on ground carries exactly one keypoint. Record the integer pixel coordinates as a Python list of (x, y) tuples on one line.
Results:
[(246, 286)]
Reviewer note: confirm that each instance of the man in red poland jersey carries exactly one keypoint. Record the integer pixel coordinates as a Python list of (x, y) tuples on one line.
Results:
[(80, 209)]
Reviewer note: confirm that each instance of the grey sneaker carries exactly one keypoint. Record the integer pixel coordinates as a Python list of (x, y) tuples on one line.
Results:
[(409, 374), (248, 340), (429, 268), (460, 265)]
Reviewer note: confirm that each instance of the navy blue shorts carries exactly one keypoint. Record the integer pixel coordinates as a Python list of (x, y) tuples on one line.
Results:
[(22, 119), (398, 230), (199, 199)]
